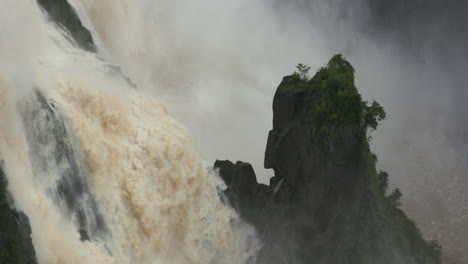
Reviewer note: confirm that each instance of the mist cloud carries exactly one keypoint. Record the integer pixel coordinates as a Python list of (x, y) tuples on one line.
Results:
[(217, 64)]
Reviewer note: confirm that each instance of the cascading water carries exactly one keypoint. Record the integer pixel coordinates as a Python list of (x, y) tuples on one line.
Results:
[(54, 160), (104, 173)]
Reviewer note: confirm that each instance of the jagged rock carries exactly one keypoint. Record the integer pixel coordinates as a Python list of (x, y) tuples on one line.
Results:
[(244, 181), (226, 170), (324, 204), (15, 232), (62, 13), (243, 192), (83, 235)]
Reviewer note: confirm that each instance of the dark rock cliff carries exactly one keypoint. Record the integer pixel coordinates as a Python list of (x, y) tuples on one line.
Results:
[(15, 232), (327, 203), (62, 13)]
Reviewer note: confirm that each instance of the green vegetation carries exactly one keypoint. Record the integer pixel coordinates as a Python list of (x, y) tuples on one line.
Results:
[(3, 186), (340, 103), (332, 105), (395, 198), (11, 255), (302, 72), (395, 235), (372, 115)]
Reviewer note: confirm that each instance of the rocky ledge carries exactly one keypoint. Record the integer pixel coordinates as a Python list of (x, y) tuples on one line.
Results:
[(15, 237)]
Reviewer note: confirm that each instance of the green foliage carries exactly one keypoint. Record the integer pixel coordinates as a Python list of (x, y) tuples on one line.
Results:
[(395, 197), (394, 231), (3, 186), (340, 64), (11, 255), (383, 182), (373, 114), (299, 79), (340, 103), (332, 103), (436, 250), (302, 72)]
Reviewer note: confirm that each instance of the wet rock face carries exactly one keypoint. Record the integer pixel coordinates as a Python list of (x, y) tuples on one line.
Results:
[(244, 192), (303, 197), (62, 13), (15, 232), (15, 237), (296, 155)]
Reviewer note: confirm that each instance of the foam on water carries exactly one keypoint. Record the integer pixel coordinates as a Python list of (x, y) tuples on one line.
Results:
[(133, 180)]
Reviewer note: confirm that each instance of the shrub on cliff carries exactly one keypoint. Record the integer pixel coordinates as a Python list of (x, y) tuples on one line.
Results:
[(340, 103), (302, 72), (3, 186)]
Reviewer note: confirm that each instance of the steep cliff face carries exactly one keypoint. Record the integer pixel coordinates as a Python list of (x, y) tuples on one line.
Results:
[(15, 232), (326, 203)]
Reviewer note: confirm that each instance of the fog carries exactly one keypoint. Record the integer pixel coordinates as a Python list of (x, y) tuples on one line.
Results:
[(217, 64)]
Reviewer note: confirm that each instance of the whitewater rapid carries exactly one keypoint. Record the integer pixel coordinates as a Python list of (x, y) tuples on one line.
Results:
[(87, 152)]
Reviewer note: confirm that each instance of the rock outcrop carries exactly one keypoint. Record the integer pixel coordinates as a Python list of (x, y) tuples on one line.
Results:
[(327, 203), (62, 13), (15, 237)]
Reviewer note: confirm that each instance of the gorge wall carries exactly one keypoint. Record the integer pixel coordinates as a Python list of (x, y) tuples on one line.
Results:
[(326, 203)]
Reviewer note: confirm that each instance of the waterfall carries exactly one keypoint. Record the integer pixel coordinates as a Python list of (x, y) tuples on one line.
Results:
[(54, 161), (103, 171)]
